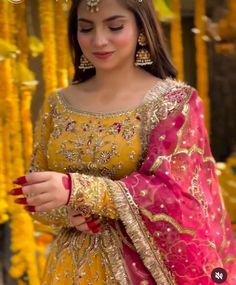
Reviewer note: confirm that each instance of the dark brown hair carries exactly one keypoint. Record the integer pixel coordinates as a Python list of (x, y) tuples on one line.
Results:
[(147, 22)]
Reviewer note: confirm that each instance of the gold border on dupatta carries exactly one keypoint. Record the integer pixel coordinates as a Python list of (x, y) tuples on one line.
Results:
[(141, 238)]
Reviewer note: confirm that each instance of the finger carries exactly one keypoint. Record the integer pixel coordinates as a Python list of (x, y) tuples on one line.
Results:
[(71, 212), (34, 177), (82, 227), (96, 229), (89, 226), (34, 189), (20, 180), (77, 220), (22, 201), (96, 217), (38, 200), (92, 224), (16, 191), (45, 207), (30, 208)]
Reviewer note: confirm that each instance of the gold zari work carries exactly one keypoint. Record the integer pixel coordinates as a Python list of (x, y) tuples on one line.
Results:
[(103, 148)]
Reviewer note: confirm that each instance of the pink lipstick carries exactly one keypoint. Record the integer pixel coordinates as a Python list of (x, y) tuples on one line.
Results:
[(103, 55)]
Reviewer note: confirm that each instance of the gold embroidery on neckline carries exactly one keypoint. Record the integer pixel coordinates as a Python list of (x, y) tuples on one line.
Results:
[(63, 101)]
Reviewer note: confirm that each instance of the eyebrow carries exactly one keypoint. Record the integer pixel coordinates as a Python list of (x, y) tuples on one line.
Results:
[(105, 20)]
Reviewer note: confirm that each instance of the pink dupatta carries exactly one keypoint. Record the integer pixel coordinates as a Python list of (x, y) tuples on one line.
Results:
[(172, 207)]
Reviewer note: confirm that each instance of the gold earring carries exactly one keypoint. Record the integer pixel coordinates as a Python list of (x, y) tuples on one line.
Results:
[(143, 56), (85, 63)]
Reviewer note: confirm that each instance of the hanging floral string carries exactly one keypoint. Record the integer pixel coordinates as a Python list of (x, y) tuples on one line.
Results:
[(61, 43), (202, 58), (3, 196), (25, 85), (3, 130), (46, 14), (176, 39), (23, 259)]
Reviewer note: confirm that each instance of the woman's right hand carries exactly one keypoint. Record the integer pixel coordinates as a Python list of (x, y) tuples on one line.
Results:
[(81, 223)]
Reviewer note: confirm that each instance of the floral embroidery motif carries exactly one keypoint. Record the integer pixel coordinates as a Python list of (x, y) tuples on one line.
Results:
[(94, 145)]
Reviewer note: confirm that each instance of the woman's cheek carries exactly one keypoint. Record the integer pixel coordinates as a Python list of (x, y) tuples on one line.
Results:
[(84, 41), (126, 38)]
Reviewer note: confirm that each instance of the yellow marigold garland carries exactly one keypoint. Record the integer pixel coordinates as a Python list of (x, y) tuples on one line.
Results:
[(23, 259), (25, 92), (25, 110), (5, 134), (3, 201), (46, 13), (61, 43), (202, 58), (176, 38)]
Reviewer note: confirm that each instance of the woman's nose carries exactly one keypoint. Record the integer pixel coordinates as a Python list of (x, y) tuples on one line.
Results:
[(100, 38)]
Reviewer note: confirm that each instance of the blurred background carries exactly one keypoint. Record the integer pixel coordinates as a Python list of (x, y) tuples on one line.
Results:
[(35, 61)]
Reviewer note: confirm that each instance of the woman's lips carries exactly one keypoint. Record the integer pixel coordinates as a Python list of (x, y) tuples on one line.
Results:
[(103, 55)]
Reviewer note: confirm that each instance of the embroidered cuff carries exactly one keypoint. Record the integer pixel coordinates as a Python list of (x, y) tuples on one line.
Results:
[(90, 195)]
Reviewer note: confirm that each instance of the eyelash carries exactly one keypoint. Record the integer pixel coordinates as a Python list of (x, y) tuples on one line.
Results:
[(112, 29)]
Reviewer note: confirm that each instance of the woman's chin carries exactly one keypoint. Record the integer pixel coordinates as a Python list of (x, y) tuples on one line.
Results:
[(105, 67)]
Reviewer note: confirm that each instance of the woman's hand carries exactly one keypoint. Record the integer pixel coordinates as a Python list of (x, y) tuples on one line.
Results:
[(43, 191), (90, 224)]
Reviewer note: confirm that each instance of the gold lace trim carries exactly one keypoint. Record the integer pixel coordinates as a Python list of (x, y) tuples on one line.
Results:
[(111, 246), (168, 219), (139, 235)]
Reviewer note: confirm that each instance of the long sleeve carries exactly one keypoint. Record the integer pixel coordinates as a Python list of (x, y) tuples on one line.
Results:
[(43, 129), (172, 207), (91, 195)]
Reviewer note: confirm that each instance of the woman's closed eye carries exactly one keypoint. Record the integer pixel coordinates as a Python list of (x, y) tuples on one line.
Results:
[(85, 30), (112, 28), (116, 28)]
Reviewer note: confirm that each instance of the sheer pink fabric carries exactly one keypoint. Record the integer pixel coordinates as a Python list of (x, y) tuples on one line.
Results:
[(181, 204)]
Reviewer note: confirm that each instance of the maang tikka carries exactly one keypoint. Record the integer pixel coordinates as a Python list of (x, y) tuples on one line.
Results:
[(92, 5)]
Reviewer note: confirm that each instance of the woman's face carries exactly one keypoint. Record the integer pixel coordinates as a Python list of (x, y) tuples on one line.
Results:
[(108, 38)]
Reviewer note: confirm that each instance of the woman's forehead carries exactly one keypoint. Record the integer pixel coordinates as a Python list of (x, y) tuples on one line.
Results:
[(102, 8)]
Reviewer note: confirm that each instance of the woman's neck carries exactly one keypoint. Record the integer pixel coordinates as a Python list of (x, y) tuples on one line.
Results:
[(116, 80)]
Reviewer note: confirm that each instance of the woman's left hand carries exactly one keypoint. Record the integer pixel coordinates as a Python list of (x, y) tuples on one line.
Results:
[(43, 191)]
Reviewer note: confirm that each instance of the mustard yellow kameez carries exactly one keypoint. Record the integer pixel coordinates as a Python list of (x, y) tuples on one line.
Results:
[(107, 145)]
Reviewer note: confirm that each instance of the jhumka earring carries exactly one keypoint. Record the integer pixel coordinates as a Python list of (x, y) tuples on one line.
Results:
[(85, 63), (143, 56)]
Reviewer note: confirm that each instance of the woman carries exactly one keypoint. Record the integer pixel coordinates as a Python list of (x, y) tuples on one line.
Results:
[(122, 167)]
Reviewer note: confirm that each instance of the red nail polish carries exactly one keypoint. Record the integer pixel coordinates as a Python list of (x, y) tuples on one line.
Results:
[(20, 180), (16, 191), (30, 208), (92, 224), (22, 201), (95, 230)]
